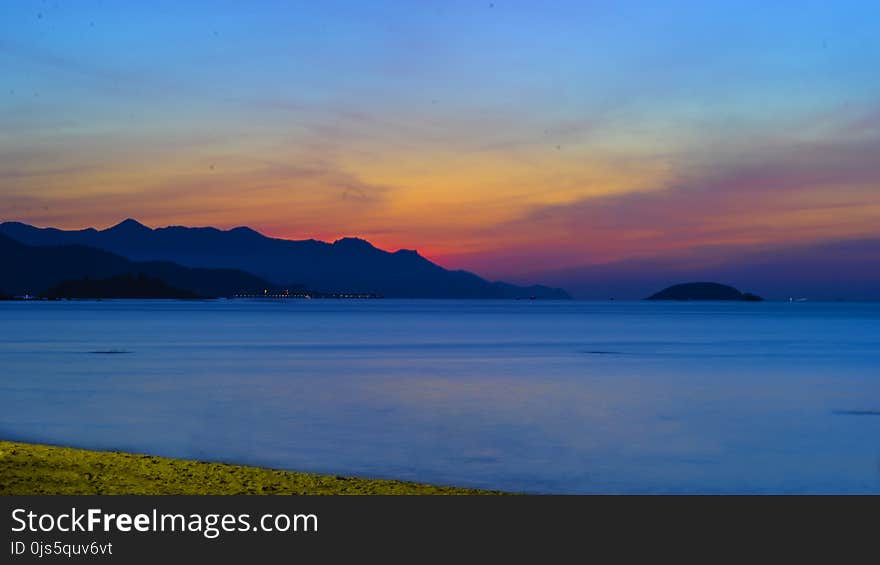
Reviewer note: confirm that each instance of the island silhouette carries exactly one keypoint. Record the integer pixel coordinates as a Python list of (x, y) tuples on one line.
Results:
[(123, 286), (703, 291)]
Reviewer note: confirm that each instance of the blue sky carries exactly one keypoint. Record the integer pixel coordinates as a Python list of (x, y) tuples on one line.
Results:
[(482, 133)]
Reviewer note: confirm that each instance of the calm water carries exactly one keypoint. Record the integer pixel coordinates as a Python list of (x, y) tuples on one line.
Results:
[(562, 397)]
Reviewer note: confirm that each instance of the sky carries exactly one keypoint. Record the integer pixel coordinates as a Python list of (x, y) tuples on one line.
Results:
[(508, 138)]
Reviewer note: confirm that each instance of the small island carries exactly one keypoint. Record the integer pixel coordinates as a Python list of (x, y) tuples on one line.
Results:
[(704, 291), (125, 286)]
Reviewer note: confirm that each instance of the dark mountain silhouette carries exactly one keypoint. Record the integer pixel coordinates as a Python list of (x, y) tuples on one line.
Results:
[(124, 286), (33, 270), (346, 265), (703, 291)]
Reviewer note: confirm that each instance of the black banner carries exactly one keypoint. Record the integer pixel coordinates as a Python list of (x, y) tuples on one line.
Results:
[(544, 529)]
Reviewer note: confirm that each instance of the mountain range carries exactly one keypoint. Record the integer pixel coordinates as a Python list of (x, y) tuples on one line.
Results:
[(35, 269), (348, 265)]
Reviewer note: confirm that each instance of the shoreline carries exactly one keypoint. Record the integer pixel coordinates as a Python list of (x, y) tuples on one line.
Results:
[(28, 469)]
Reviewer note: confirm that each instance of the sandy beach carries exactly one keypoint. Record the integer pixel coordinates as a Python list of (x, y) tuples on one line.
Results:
[(41, 469)]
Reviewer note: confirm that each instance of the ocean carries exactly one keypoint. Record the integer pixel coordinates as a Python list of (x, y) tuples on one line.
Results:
[(526, 396)]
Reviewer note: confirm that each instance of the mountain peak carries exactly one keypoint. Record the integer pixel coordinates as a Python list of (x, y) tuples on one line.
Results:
[(353, 243), (129, 224), (244, 230)]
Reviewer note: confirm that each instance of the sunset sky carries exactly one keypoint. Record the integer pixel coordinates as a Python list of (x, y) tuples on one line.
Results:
[(498, 136)]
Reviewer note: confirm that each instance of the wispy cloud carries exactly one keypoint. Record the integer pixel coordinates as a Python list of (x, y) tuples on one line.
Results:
[(282, 199), (784, 190)]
